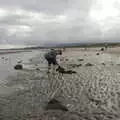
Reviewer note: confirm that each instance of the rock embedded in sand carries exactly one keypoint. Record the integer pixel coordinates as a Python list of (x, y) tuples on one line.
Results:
[(55, 105), (59, 115), (66, 59), (103, 64), (20, 61), (30, 60), (6, 59), (75, 65), (2, 57), (88, 64), (80, 59), (63, 71), (18, 67), (79, 65), (102, 49), (37, 68), (97, 53)]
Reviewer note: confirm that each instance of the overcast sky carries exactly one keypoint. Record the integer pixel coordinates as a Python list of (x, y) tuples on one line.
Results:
[(37, 22)]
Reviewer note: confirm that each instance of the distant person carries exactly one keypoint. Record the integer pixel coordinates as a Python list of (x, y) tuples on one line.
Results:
[(64, 49), (51, 57)]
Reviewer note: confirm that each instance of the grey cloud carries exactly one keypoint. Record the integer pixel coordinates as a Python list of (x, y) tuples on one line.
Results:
[(75, 11), (53, 6), (78, 26), (13, 20), (48, 6)]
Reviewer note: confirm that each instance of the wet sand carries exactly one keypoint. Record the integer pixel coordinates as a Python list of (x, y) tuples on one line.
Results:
[(94, 90), (7, 63)]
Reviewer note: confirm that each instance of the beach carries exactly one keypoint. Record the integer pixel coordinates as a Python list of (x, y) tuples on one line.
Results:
[(94, 90)]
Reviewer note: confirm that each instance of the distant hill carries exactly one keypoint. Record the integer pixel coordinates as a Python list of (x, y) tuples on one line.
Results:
[(86, 45), (68, 45)]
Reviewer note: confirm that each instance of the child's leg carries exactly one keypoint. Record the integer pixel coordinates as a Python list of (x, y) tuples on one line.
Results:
[(49, 65), (54, 62)]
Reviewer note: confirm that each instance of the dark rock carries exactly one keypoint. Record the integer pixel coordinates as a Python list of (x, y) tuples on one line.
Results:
[(18, 67), (60, 69), (6, 59), (103, 64), (66, 59), (2, 57), (75, 65), (20, 61), (63, 71), (55, 104), (37, 68), (80, 59), (69, 72), (61, 59), (30, 60), (102, 49), (88, 64), (79, 65), (97, 53)]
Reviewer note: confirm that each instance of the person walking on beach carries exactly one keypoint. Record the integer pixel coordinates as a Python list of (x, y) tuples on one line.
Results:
[(51, 58)]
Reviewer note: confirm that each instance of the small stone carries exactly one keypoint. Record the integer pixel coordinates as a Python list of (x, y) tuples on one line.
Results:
[(18, 67), (66, 59), (37, 68), (80, 59), (20, 61), (55, 104), (2, 57), (97, 53), (103, 64), (88, 64), (79, 65), (102, 49), (63, 71)]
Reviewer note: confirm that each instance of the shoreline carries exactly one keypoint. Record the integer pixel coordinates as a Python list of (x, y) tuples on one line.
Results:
[(13, 51)]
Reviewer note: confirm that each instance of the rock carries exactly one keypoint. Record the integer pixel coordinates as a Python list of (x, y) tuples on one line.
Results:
[(97, 53), (103, 64), (69, 72), (66, 59), (20, 61), (75, 65), (30, 60), (37, 68), (79, 65), (2, 57), (18, 67), (55, 104), (88, 64), (61, 115), (63, 71), (102, 49), (6, 59), (61, 59), (80, 59), (36, 65), (60, 69)]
